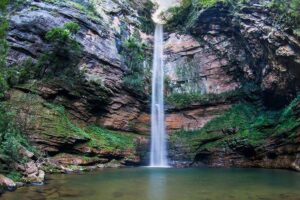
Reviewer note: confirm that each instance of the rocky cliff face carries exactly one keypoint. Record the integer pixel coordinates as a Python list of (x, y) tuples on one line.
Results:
[(225, 50), (67, 119), (229, 78), (102, 98)]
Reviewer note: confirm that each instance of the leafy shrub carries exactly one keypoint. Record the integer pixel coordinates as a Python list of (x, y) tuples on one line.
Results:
[(287, 12), (11, 75), (134, 54), (145, 18), (11, 138), (3, 4), (64, 46), (179, 15), (65, 51)]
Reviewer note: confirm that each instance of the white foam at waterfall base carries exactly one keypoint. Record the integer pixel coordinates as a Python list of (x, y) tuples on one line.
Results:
[(158, 155)]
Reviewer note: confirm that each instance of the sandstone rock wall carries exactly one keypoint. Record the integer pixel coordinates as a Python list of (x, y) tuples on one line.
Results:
[(101, 98), (221, 52)]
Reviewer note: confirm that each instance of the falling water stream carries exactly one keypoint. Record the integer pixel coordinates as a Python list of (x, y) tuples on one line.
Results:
[(158, 156)]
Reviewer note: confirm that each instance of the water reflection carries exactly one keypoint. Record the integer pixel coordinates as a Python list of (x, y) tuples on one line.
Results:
[(157, 185)]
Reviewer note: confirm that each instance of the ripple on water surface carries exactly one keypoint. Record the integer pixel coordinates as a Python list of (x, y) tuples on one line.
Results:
[(166, 184)]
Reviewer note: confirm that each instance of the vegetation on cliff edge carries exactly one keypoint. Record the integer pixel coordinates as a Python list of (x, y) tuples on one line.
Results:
[(286, 13), (12, 142), (246, 124), (137, 75), (182, 100)]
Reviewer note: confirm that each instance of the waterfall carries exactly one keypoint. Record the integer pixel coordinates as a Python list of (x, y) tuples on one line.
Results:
[(158, 157)]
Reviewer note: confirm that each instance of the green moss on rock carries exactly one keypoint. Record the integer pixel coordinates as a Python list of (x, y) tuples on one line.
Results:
[(110, 140), (182, 100), (49, 126), (87, 7), (243, 125)]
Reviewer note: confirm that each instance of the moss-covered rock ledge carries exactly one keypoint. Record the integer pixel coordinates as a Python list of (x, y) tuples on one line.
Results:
[(54, 143), (246, 135)]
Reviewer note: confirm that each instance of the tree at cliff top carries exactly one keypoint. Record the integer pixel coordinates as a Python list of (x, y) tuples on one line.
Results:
[(183, 16), (287, 13)]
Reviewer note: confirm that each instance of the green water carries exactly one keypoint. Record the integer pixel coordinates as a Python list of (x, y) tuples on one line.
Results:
[(166, 184)]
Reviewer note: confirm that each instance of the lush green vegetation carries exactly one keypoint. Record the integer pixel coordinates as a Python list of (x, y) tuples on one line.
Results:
[(87, 7), (110, 140), (287, 13), (135, 56), (64, 54), (244, 123), (145, 18), (3, 47), (184, 16), (15, 176), (55, 118), (289, 119), (98, 137), (59, 123), (181, 100), (61, 59), (12, 141)]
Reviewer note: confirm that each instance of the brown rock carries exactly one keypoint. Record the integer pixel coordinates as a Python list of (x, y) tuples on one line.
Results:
[(23, 151), (285, 51), (193, 118), (7, 183), (70, 159), (296, 164), (37, 178), (31, 168)]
